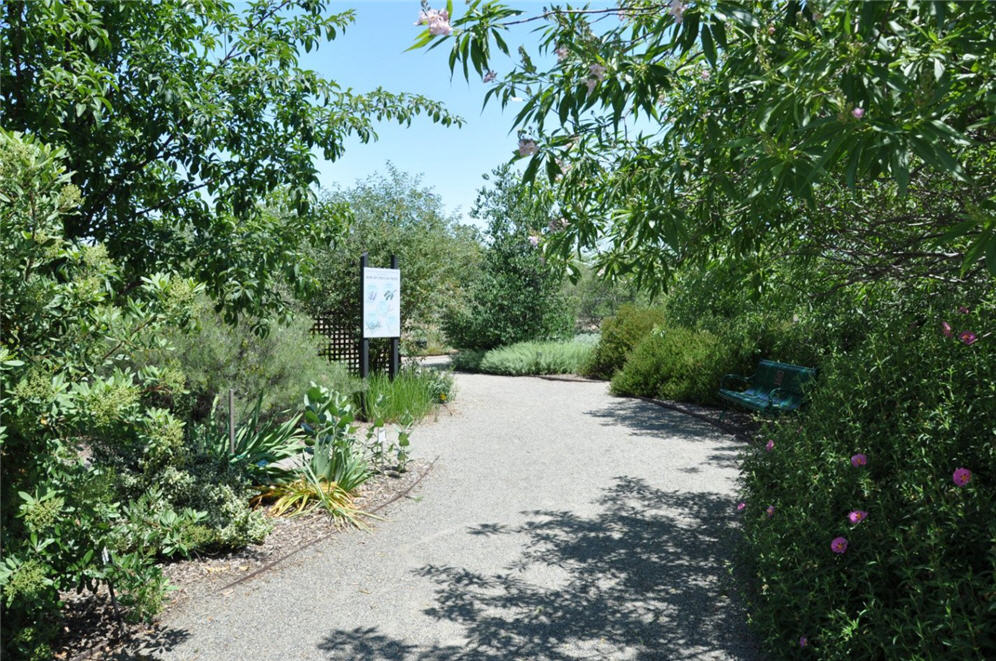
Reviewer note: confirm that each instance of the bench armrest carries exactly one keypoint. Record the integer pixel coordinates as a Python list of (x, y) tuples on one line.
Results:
[(726, 378)]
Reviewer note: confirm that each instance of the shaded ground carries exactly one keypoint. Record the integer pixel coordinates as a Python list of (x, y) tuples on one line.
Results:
[(558, 523)]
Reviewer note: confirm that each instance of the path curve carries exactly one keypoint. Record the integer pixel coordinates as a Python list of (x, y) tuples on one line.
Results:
[(558, 523)]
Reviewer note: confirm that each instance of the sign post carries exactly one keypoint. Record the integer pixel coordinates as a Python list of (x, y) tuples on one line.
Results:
[(396, 341), (380, 312)]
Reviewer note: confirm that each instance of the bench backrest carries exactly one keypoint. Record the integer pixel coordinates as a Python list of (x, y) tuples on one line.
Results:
[(772, 374)]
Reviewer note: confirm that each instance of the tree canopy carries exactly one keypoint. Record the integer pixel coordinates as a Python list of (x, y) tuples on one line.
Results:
[(190, 128), (681, 132)]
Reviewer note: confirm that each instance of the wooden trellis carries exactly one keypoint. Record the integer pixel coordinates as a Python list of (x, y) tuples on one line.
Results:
[(340, 333)]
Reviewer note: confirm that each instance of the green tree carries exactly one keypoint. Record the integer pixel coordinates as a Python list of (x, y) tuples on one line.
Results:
[(182, 121), (679, 133), (517, 295), (394, 214)]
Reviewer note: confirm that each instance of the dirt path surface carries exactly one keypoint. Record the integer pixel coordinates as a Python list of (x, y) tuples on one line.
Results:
[(558, 522)]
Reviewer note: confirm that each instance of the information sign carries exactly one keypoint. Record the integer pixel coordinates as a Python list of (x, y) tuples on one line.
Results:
[(381, 302)]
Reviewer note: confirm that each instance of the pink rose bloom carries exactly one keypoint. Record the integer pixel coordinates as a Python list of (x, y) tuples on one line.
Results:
[(858, 112), (859, 460), (857, 516), (968, 337), (962, 476), (946, 329), (838, 545), (527, 147)]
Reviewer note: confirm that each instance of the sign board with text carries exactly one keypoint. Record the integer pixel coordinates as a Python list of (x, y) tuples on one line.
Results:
[(381, 302)]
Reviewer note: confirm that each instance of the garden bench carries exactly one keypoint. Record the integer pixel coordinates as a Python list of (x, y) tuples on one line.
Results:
[(773, 388)]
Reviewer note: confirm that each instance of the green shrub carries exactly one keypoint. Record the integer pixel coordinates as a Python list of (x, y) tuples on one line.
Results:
[(917, 578), (620, 334), (526, 358), (468, 360), (274, 360), (680, 364)]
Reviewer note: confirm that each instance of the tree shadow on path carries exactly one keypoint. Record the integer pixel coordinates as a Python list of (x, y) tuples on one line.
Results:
[(643, 578)]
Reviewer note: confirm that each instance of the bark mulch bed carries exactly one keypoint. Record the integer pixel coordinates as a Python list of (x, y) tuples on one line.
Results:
[(91, 629)]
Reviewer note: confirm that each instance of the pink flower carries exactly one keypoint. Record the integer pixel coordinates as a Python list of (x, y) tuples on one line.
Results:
[(533, 239), (962, 309), (741, 506), (858, 112), (561, 53), (591, 83), (838, 545), (677, 10), (859, 460), (968, 337), (597, 71), (770, 511), (527, 147), (771, 29), (438, 21), (490, 76), (962, 476), (803, 641), (946, 329), (770, 446), (857, 516), (704, 74)]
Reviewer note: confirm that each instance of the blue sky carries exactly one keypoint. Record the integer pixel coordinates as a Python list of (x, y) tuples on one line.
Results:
[(451, 160)]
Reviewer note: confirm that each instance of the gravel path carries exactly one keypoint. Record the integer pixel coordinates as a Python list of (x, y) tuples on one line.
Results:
[(557, 523)]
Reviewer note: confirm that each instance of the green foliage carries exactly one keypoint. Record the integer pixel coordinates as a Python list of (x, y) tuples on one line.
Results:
[(412, 395), (723, 128), (393, 214), (191, 129), (524, 358), (677, 363), (516, 295), (620, 334), (918, 405), (335, 453), (593, 299), (268, 359)]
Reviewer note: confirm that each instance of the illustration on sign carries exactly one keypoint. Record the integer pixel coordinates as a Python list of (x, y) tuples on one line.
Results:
[(381, 302)]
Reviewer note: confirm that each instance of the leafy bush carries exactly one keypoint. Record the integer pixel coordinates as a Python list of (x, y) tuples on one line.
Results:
[(468, 360), (620, 334), (275, 360), (875, 461)]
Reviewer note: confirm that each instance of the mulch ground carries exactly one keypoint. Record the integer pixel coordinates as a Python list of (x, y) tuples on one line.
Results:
[(91, 630)]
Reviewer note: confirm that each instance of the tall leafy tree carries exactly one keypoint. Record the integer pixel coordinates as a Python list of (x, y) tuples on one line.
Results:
[(680, 132), (182, 120)]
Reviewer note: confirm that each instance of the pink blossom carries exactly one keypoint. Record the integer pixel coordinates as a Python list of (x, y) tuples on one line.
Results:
[(771, 29), (857, 516), (597, 71), (704, 74), (858, 112), (438, 21), (561, 53), (838, 545), (533, 239), (968, 337), (946, 329), (527, 147), (591, 83), (770, 511), (962, 309), (859, 460), (677, 10), (962, 476), (741, 506), (803, 641), (770, 446), (490, 76)]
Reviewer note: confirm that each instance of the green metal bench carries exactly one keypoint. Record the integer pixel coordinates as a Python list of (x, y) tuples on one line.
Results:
[(773, 388)]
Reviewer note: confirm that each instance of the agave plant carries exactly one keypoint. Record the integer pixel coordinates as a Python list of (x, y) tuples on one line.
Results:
[(309, 490), (259, 446)]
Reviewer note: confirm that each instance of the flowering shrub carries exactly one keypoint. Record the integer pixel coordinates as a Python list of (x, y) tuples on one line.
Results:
[(901, 427)]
